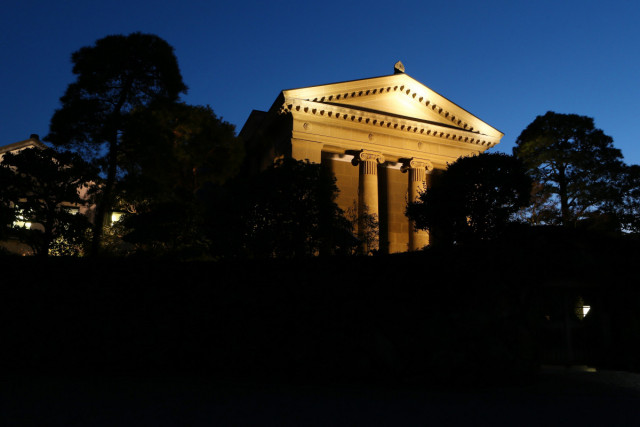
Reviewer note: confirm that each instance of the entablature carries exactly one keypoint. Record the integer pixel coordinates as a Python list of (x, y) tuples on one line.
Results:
[(376, 121), (392, 154)]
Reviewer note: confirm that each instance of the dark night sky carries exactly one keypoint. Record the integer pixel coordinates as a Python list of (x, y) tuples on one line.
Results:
[(504, 61)]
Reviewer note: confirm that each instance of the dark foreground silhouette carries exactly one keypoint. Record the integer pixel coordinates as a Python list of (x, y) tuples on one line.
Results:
[(447, 332), (556, 397)]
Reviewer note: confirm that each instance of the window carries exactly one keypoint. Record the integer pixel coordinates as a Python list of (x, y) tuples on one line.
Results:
[(21, 219), (581, 308)]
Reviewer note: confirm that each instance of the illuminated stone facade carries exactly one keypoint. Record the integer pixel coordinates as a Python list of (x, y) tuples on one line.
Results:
[(382, 137), (32, 142)]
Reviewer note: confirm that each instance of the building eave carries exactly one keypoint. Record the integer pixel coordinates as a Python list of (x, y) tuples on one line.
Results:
[(32, 142), (380, 120)]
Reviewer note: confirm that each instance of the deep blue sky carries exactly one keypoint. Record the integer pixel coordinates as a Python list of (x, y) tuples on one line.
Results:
[(504, 61)]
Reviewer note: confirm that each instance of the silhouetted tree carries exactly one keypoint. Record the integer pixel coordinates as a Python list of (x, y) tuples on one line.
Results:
[(177, 149), (628, 212), (368, 228), (574, 163), (289, 210), (43, 188), (474, 199), (114, 77), (542, 207), (171, 154), (7, 211)]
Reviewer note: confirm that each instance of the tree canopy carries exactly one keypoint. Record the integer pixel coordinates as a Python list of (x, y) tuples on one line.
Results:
[(176, 149), (114, 77), (42, 187), (286, 211), (575, 165), (172, 155), (628, 211), (475, 198)]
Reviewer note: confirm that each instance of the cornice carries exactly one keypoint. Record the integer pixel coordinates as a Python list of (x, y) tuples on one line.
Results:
[(378, 120)]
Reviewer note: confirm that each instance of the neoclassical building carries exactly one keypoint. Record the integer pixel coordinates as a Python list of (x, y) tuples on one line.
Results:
[(382, 137)]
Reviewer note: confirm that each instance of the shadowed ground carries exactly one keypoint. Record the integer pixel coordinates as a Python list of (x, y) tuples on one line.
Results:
[(557, 397), (283, 332)]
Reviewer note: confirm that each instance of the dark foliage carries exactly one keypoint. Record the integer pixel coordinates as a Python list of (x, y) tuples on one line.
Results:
[(173, 155), (40, 187), (175, 149), (7, 211), (114, 77), (474, 199), (576, 166), (288, 210), (628, 211)]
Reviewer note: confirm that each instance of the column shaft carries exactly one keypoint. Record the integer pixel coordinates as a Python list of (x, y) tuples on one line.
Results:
[(368, 209), (369, 190), (417, 184)]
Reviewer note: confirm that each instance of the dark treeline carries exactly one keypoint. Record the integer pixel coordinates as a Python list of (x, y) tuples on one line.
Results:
[(444, 315), (189, 188)]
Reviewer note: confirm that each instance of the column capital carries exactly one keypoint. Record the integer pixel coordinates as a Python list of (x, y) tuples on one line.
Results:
[(415, 163), (368, 156)]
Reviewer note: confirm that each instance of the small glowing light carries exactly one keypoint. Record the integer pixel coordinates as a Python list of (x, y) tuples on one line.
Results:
[(115, 217), (581, 309)]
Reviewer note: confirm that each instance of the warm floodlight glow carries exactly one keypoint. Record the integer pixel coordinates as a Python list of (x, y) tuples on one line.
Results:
[(115, 217), (20, 221), (22, 224)]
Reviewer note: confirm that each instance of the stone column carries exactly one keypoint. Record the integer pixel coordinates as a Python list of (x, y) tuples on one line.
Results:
[(417, 169), (368, 195)]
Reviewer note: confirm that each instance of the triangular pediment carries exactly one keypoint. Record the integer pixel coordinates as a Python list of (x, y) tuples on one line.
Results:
[(394, 103), (398, 96)]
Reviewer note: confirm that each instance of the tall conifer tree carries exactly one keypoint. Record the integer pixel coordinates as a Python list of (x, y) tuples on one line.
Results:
[(574, 162), (113, 78)]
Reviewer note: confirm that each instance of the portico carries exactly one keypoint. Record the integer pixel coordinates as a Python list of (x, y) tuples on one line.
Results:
[(382, 138)]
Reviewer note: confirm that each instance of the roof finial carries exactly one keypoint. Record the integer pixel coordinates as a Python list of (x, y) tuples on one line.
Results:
[(398, 68)]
